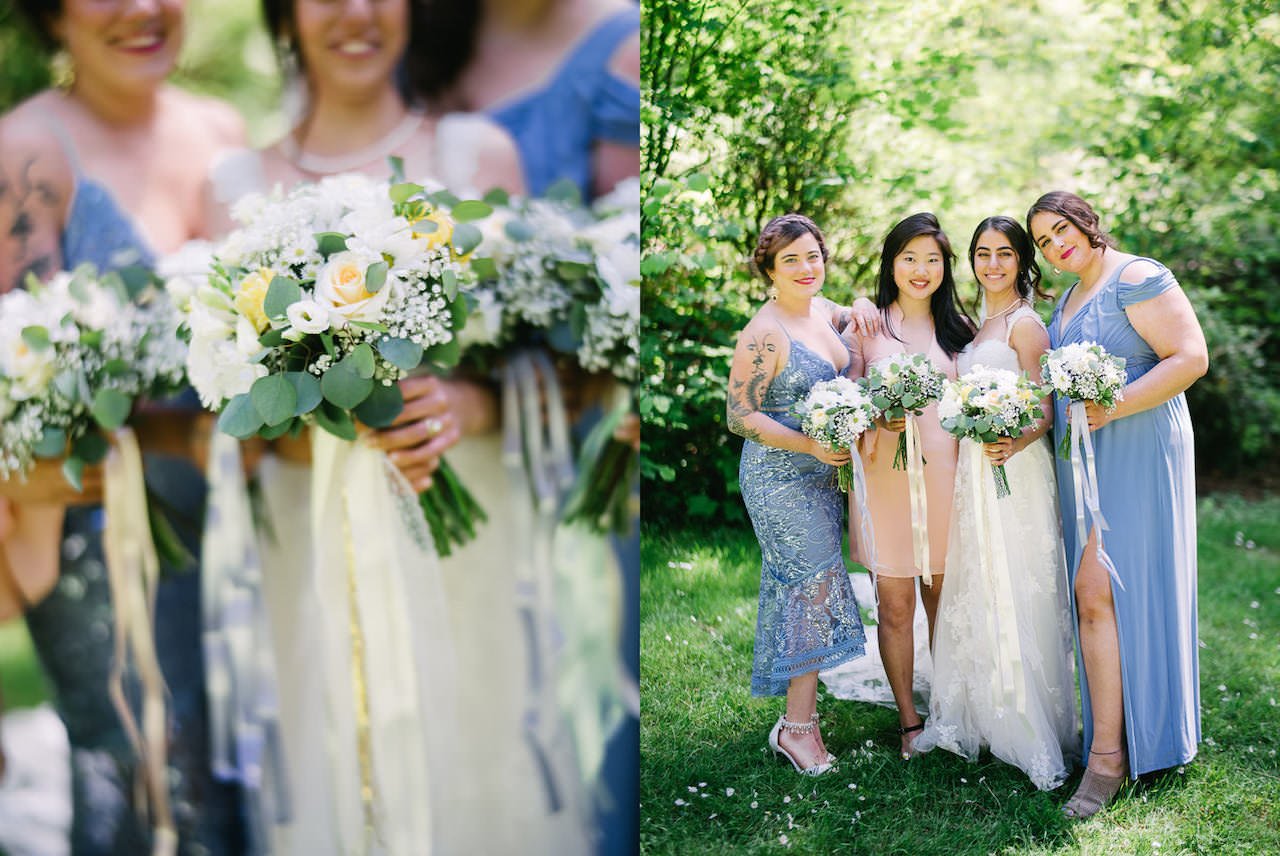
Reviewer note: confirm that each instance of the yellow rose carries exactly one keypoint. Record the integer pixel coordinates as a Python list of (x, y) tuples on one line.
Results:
[(443, 232), (340, 286), (250, 295)]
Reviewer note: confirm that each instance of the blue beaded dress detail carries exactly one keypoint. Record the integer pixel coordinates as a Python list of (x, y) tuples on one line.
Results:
[(808, 617), (72, 628)]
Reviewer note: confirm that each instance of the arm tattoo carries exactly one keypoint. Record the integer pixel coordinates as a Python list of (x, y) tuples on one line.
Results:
[(20, 196), (746, 396)]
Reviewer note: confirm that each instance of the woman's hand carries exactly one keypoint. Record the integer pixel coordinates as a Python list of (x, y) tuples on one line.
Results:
[(827, 456), (628, 431), (1000, 451), (864, 317), (427, 426), (1098, 415)]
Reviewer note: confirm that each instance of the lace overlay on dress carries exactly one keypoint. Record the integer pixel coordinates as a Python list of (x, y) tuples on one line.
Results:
[(808, 618)]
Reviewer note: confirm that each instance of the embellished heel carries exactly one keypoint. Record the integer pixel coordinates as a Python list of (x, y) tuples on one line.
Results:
[(784, 724), (903, 731)]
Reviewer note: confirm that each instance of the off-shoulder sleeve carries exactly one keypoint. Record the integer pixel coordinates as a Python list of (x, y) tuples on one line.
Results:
[(1129, 293), (615, 111)]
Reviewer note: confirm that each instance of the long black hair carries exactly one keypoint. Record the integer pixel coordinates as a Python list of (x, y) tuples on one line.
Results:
[(1028, 280), (952, 327)]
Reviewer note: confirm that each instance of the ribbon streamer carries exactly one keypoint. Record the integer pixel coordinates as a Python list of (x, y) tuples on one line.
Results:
[(133, 573), (241, 686), (866, 532), (993, 561), (1084, 479), (386, 647), (918, 500)]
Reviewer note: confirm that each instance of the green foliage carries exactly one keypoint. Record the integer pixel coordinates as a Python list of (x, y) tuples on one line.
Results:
[(1162, 114)]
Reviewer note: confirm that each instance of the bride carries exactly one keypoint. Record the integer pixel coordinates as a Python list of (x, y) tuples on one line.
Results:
[(353, 120), (1002, 653)]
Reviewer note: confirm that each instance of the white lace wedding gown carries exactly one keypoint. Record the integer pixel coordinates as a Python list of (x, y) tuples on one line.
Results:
[(489, 783), (1003, 653)]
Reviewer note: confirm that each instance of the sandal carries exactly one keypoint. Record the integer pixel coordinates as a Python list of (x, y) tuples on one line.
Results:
[(796, 728), (1093, 793), (831, 759), (903, 731)]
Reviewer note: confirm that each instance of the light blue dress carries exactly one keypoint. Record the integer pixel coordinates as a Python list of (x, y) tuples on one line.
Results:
[(73, 628), (1146, 477), (556, 127), (808, 618)]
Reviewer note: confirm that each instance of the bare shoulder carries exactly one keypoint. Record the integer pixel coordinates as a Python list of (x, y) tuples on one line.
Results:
[(1138, 269), (215, 121), (34, 167), (1028, 331), (625, 61)]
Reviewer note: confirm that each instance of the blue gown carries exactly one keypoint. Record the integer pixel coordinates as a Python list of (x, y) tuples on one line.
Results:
[(556, 127), (808, 617), (1146, 476), (73, 629)]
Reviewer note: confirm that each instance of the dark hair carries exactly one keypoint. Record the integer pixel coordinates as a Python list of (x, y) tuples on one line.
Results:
[(1077, 211), (1028, 281), (777, 234), (952, 327), (40, 15), (442, 35)]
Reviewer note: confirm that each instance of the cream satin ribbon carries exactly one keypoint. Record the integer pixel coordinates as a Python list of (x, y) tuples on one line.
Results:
[(373, 552), (1084, 479), (993, 559), (866, 532), (918, 500), (133, 573)]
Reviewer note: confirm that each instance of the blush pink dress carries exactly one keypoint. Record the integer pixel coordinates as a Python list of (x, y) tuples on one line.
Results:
[(887, 488)]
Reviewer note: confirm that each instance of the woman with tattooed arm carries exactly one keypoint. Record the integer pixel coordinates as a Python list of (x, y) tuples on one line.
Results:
[(808, 617)]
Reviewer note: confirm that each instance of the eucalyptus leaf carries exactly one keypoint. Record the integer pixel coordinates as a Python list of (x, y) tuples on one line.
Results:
[(36, 337), (336, 420), (328, 243), (306, 388), (240, 418), (281, 294), (471, 209), (52, 443), (466, 238), (343, 387), (375, 276), (382, 406), (110, 408), (401, 353), (90, 447), (275, 399)]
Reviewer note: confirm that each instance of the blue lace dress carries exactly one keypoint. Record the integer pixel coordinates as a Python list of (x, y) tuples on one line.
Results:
[(1146, 488), (808, 617), (556, 127), (72, 629)]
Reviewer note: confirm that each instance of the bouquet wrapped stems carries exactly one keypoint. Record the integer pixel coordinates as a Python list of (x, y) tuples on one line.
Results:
[(452, 513)]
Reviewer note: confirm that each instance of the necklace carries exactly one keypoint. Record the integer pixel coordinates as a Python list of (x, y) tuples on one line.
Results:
[(1004, 312), (400, 134)]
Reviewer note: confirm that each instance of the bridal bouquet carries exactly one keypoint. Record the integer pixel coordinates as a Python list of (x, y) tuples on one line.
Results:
[(902, 385), (75, 354), (835, 413), (321, 301), (1084, 371), (986, 404)]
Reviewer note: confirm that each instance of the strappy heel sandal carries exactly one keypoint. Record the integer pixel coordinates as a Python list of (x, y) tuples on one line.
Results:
[(903, 731), (831, 759), (1094, 792), (784, 724)]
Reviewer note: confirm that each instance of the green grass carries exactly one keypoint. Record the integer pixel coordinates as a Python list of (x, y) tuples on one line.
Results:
[(709, 785), (21, 681)]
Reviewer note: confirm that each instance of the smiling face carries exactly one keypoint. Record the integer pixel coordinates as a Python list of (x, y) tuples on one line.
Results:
[(124, 44), (918, 268), (995, 264), (351, 47), (1063, 244), (798, 269)]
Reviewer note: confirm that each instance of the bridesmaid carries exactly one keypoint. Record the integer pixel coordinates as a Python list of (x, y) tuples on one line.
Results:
[(1139, 678), (1002, 673), (920, 314), (808, 617), (110, 171)]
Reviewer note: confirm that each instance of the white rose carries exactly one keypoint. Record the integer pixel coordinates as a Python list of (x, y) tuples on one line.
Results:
[(308, 316), (340, 288)]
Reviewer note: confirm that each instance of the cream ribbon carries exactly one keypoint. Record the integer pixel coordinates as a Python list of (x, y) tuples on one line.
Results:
[(133, 573), (918, 500), (993, 560), (866, 532), (385, 646), (1084, 479)]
